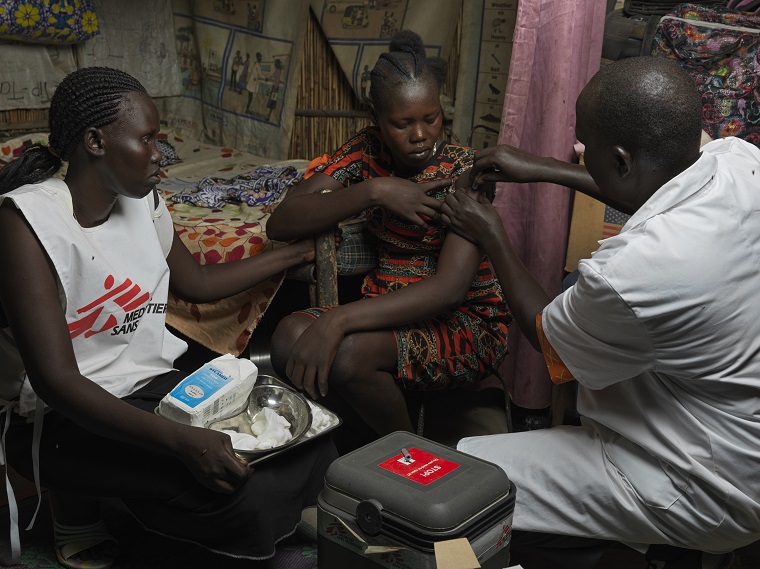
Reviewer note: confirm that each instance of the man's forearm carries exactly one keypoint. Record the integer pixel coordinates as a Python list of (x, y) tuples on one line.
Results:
[(524, 295), (575, 177)]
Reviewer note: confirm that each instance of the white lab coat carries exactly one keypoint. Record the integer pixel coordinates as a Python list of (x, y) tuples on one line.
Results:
[(662, 332)]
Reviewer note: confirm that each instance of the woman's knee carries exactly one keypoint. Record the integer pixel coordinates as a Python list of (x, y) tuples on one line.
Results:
[(288, 330), (362, 355)]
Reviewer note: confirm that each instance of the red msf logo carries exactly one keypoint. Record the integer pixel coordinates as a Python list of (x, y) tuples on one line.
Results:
[(126, 295), (333, 528), (505, 533)]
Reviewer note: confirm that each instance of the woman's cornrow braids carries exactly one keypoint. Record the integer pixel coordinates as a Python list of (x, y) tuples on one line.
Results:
[(87, 98), (405, 60)]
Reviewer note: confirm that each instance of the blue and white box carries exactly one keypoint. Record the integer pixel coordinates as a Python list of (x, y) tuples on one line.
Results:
[(216, 390)]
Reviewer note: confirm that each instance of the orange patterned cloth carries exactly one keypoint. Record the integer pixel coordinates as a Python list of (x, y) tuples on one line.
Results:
[(314, 164), (221, 235), (558, 371), (224, 326)]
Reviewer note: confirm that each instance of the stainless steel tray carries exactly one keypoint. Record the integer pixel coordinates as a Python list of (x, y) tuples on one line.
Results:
[(335, 421), (285, 402)]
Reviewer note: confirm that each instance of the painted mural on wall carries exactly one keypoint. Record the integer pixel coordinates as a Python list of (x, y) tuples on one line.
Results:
[(31, 73), (488, 29), (238, 66), (360, 30), (135, 38)]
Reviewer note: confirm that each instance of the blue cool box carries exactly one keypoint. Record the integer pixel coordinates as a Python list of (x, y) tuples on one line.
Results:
[(200, 385)]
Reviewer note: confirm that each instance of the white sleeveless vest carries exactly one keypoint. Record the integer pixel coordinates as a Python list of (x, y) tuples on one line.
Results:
[(114, 285)]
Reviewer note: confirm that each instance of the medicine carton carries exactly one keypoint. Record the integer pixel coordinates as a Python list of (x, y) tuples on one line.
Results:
[(216, 390)]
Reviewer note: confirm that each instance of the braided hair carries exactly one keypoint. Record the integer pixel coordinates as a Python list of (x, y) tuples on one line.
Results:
[(405, 60), (88, 97)]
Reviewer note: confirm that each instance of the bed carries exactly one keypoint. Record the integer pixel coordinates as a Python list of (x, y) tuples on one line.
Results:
[(215, 235)]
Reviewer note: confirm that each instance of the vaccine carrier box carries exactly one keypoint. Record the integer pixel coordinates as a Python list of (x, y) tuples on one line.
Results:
[(387, 504)]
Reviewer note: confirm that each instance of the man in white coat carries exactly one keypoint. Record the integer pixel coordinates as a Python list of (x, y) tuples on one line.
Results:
[(661, 332)]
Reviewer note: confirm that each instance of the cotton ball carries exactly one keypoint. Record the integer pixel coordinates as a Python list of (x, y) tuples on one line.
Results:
[(271, 429), (319, 419), (242, 441)]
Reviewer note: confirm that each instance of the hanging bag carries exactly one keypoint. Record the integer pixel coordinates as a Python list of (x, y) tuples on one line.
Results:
[(719, 48)]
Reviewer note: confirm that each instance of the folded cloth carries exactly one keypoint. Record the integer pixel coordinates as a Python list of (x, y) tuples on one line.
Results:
[(211, 197), (262, 186), (265, 185)]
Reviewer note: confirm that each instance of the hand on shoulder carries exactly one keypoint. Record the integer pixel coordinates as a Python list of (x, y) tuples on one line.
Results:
[(409, 200), (470, 214), (505, 163)]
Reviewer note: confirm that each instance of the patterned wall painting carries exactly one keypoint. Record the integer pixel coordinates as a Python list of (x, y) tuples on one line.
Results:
[(238, 67), (487, 32), (228, 70), (360, 30), (141, 46), (31, 73)]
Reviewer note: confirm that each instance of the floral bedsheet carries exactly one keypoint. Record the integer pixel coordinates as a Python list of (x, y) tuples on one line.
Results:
[(218, 235)]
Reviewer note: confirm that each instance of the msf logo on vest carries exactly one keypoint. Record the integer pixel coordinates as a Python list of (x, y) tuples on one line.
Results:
[(131, 301)]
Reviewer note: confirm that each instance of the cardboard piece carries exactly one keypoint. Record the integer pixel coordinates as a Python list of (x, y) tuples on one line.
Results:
[(455, 554), (591, 222)]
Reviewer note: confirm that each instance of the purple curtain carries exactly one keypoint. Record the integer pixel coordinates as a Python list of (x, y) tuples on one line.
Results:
[(557, 48)]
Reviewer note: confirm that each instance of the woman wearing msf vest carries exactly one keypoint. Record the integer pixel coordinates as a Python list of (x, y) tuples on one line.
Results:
[(85, 269)]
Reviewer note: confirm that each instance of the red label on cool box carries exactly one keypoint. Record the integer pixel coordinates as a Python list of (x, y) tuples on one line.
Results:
[(420, 466)]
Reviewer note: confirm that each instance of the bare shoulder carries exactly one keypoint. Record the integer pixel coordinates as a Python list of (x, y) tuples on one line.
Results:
[(13, 224), (22, 250)]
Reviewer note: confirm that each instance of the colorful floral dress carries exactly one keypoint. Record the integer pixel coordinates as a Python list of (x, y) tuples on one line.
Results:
[(456, 347)]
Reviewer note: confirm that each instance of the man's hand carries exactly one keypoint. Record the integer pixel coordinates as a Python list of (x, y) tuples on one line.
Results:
[(470, 214), (504, 163), (468, 185)]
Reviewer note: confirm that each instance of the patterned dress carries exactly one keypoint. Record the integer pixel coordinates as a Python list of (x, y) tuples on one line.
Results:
[(457, 347)]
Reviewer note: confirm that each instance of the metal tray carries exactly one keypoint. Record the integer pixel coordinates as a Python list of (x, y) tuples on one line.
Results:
[(335, 421), (285, 402), (312, 433)]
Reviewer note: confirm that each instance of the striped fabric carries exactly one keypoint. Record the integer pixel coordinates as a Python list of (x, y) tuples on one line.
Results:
[(558, 371)]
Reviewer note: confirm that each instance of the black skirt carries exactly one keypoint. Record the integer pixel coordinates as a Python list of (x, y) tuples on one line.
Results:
[(161, 492)]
